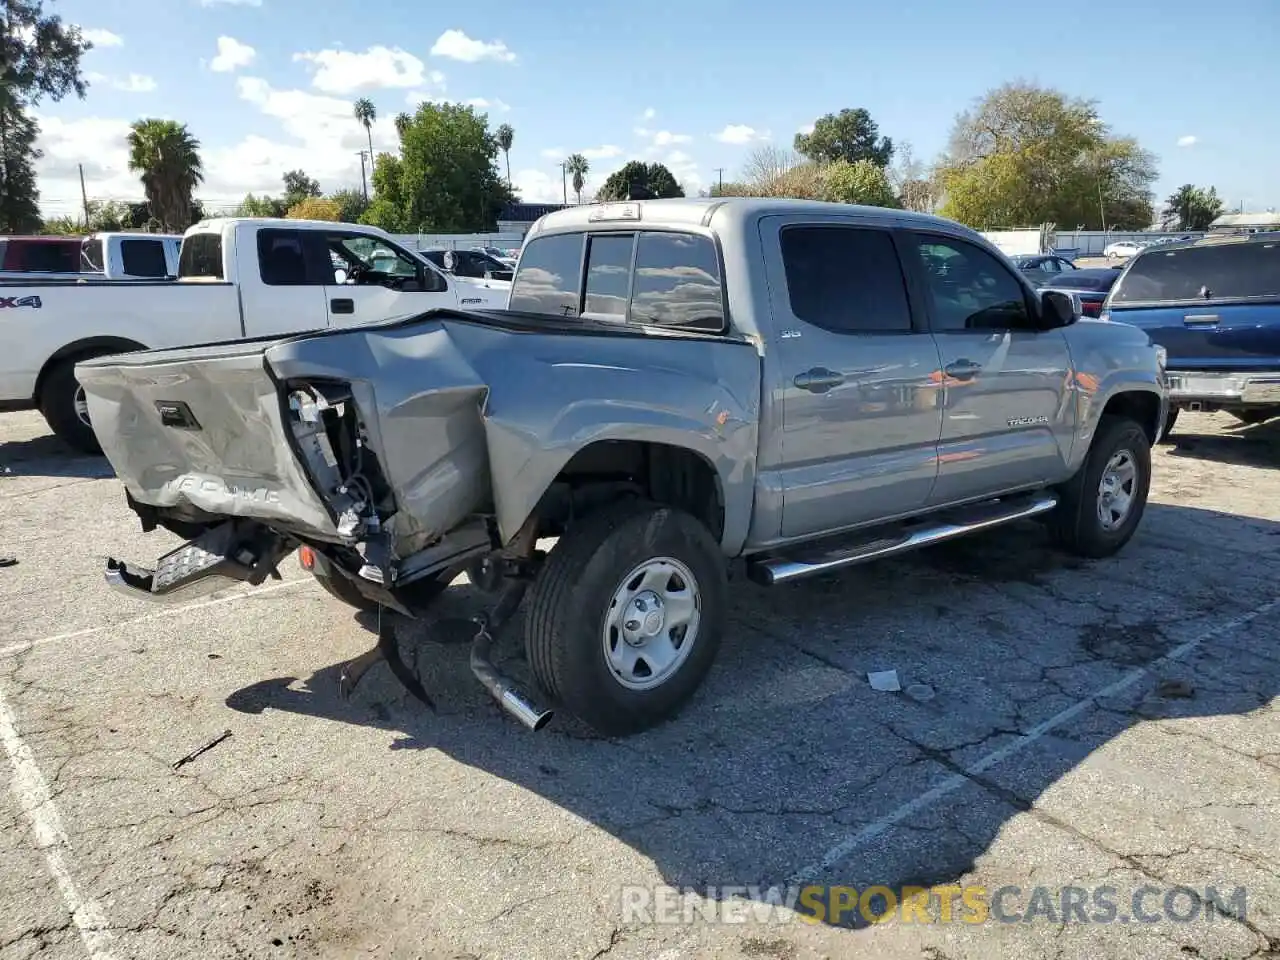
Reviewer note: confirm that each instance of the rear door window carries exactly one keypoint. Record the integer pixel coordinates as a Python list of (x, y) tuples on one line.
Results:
[(845, 279), (549, 277), (143, 258), (1247, 270)]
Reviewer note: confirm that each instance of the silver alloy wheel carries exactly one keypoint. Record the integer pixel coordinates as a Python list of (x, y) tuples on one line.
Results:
[(82, 406), (652, 623), (1117, 489)]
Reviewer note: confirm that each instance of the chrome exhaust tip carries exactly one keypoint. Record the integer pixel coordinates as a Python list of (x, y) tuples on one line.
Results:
[(503, 689)]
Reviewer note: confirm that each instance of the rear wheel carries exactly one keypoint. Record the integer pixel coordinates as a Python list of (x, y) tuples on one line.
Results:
[(62, 402), (625, 617), (1170, 419), (1101, 506)]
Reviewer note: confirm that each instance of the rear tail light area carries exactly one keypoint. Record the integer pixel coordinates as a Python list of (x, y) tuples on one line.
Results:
[(1091, 308)]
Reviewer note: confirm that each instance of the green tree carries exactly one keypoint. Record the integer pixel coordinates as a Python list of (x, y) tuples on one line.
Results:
[(848, 135), (506, 136), (108, 216), (640, 181), (39, 57), (366, 113), (298, 187), (1026, 155), (402, 122), (862, 182), (263, 206), (351, 205), (577, 166), (1192, 208), (316, 208), (444, 180), (167, 158)]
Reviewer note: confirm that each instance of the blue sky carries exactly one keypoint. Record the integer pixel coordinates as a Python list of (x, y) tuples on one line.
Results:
[(266, 85)]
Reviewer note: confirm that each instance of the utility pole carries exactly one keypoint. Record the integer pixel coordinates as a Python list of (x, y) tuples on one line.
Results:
[(364, 155), (564, 180), (720, 175), (84, 196)]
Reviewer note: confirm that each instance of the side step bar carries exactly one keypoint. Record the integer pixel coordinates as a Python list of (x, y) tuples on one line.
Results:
[(231, 553), (946, 526)]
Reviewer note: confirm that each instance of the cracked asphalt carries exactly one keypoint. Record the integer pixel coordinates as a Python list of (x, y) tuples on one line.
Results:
[(1094, 724)]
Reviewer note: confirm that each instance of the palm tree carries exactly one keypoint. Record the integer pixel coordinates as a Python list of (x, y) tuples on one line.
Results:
[(167, 157), (365, 112), (402, 123), (505, 136), (578, 167)]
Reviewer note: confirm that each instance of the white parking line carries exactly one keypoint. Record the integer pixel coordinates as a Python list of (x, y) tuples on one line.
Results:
[(32, 792), (25, 645), (954, 782)]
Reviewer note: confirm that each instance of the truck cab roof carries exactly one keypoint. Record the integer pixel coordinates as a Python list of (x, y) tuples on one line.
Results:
[(219, 224), (708, 211)]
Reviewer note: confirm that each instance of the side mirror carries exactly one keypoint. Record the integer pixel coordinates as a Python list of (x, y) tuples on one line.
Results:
[(1058, 309)]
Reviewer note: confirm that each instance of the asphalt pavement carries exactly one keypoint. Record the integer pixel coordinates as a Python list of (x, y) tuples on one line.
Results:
[(1071, 735)]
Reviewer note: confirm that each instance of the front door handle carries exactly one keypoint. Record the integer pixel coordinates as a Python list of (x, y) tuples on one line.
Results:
[(342, 306), (1199, 319), (818, 380), (962, 369)]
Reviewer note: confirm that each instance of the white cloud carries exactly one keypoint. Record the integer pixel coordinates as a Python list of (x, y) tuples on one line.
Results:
[(135, 83), (456, 45), (346, 71), (685, 169), (231, 3), (806, 129), (1188, 141), (739, 134), (538, 186), (480, 103), (649, 114), (606, 152), (102, 38), (96, 142), (232, 54), (665, 138), (555, 153)]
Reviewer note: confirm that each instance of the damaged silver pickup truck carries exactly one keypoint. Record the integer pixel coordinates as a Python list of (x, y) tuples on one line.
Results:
[(675, 384)]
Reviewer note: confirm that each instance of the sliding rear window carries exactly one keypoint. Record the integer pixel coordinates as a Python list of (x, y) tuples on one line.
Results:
[(1231, 271)]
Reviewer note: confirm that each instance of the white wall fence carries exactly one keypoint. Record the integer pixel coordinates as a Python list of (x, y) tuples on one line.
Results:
[(458, 241), (1086, 243)]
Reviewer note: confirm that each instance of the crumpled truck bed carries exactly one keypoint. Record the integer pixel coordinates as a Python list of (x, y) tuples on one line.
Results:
[(463, 413)]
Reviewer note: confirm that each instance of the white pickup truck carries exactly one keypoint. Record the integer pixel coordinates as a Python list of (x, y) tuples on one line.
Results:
[(237, 279), (102, 256)]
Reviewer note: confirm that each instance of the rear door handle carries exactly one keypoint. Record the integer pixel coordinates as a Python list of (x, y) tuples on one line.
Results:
[(962, 369), (342, 306), (1207, 319), (818, 380)]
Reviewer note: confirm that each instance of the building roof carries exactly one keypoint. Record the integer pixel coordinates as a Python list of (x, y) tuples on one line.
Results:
[(1268, 219), (527, 212)]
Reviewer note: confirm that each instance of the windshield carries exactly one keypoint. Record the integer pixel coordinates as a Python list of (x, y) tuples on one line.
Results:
[(1229, 271)]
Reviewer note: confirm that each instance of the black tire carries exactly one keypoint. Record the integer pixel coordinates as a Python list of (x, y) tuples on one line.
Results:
[(58, 405), (1170, 419), (1076, 524), (570, 602), (1255, 415)]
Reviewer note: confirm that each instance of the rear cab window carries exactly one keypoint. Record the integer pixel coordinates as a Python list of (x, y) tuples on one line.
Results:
[(143, 258), (1247, 270), (650, 278), (201, 257)]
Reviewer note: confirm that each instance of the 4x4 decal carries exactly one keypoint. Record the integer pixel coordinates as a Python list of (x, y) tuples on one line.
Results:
[(21, 302)]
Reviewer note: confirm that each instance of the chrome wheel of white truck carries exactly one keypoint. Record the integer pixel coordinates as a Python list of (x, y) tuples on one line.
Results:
[(63, 404), (624, 620)]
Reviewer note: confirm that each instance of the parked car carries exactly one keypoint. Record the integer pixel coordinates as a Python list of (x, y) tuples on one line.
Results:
[(1122, 249), (507, 257), (1214, 305), (469, 263), (676, 383), (1088, 287), (237, 278), (102, 256), (1041, 267)]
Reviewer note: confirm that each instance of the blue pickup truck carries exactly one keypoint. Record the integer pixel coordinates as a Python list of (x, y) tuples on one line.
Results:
[(1214, 305)]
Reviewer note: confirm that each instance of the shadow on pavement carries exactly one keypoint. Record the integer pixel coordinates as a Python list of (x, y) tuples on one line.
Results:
[(47, 456), (1248, 446), (787, 758)]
